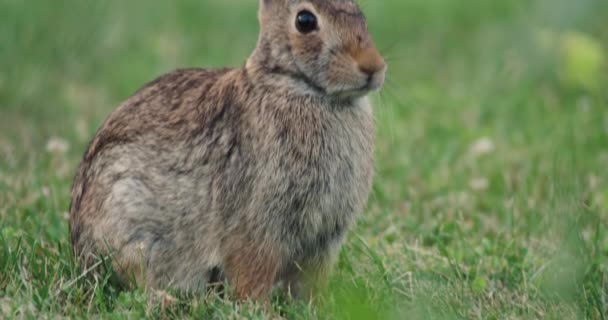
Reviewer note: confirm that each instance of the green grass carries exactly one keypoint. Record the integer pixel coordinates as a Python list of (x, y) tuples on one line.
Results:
[(491, 194)]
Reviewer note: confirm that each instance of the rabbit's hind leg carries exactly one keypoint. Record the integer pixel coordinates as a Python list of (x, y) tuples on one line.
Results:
[(135, 231)]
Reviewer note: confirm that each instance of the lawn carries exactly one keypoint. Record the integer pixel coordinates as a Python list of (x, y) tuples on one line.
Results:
[(491, 193)]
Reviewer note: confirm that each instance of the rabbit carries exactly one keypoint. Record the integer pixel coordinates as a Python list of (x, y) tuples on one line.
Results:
[(248, 176)]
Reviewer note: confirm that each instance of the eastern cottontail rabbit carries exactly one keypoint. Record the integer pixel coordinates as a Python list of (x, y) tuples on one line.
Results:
[(249, 175)]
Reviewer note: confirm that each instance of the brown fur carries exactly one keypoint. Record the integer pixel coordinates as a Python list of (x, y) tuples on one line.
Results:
[(251, 266), (252, 174)]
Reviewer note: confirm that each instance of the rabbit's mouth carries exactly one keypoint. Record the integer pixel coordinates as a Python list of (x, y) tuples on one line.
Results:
[(367, 87), (362, 82), (372, 82), (355, 93)]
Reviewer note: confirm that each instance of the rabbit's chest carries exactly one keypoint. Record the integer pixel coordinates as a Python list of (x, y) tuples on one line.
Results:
[(318, 173)]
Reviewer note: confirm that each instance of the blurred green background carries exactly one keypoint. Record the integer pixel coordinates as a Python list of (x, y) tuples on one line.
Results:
[(491, 193)]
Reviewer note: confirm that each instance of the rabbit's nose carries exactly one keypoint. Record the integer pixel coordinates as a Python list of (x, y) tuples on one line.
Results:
[(370, 61)]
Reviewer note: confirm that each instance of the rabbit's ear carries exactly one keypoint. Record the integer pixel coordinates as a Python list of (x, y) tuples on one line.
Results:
[(266, 3)]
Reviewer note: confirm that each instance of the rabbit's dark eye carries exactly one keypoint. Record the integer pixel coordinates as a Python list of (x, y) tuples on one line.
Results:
[(306, 22)]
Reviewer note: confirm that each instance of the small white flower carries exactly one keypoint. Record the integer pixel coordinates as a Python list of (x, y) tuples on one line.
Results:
[(5, 307), (57, 145), (481, 147), (479, 184)]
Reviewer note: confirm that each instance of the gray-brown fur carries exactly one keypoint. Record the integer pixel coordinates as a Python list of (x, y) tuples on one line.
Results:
[(252, 174)]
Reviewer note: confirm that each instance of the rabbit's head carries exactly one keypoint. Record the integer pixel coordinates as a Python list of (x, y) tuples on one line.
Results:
[(323, 45)]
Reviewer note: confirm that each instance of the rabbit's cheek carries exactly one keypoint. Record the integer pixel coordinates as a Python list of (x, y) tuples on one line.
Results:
[(340, 75)]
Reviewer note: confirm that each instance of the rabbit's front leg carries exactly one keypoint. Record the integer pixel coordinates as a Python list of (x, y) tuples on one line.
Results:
[(251, 268), (307, 279)]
